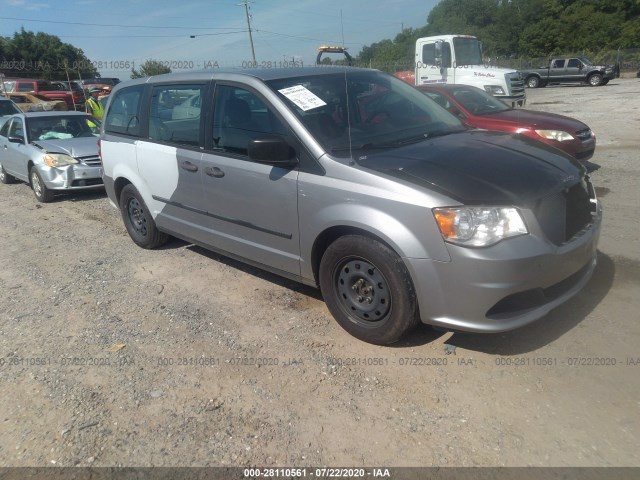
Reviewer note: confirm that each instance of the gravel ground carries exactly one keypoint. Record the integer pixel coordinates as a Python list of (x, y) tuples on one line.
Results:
[(111, 355)]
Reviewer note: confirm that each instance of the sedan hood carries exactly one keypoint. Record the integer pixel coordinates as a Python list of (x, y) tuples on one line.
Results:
[(536, 120), (477, 167), (75, 147)]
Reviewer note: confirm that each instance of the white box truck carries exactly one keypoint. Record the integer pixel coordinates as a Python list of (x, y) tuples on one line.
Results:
[(458, 59)]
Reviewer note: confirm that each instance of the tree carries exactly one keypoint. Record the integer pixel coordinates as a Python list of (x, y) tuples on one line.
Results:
[(150, 68), (42, 55)]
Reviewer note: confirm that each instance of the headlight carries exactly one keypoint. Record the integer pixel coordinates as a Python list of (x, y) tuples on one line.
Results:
[(557, 135), (494, 89), (58, 160), (479, 226)]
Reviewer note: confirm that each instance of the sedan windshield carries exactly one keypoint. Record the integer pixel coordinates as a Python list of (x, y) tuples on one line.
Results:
[(478, 102), (354, 110), (62, 127)]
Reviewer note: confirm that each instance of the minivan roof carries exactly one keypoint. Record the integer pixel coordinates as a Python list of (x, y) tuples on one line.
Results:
[(260, 73)]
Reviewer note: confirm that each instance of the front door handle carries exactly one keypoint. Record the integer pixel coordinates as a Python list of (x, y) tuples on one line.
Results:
[(188, 166), (214, 172)]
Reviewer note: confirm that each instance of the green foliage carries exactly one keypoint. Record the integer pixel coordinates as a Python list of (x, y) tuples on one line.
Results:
[(519, 28), (40, 55), (150, 68)]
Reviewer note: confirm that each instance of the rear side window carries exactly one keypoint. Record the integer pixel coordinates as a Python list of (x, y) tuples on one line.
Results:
[(123, 115), (174, 114)]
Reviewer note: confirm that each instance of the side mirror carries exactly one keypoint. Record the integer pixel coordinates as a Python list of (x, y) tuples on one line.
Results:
[(272, 151), (16, 139)]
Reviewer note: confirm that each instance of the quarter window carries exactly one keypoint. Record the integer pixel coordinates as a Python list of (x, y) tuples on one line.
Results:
[(175, 114)]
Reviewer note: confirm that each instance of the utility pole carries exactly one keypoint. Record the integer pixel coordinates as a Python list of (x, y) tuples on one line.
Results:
[(246, 11)]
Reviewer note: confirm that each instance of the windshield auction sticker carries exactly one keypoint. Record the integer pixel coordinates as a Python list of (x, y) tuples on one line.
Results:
[(302, 98)]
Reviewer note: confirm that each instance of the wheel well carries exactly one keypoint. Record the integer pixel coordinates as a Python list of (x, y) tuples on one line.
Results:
[(329, 236), (119, 184), (29, 166)]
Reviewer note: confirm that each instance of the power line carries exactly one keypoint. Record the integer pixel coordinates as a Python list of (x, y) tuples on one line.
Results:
[(114, 25)]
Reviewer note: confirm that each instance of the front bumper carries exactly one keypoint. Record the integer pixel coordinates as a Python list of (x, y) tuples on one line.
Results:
[(505, 286), (71, 177)]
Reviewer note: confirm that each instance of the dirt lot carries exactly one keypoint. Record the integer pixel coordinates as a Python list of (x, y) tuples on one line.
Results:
[(117, 356)]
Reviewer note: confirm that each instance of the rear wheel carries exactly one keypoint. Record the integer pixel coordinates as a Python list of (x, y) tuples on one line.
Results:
[(368, 290), (40, 190), (5, 177), (138, 220)]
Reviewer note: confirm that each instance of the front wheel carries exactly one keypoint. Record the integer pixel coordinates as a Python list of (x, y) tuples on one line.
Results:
[(533, 82), (368, 290), (595, 80), (40, 190), (138, 220)]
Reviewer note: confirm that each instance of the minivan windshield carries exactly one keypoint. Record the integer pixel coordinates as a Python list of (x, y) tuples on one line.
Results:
[(354, 110)]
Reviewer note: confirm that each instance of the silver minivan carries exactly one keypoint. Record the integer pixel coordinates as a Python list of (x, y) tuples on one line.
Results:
[(353, 181)]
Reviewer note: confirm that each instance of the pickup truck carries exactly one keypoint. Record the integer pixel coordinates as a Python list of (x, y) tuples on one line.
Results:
[(568, 70), (43, 88)]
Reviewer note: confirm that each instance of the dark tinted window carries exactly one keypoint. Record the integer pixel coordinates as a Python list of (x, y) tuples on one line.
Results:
[(123, 115), (239, 117), (4, 131), (7, 108), (574, 63)]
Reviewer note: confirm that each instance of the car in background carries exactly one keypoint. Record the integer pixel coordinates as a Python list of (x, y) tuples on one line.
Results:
[(101, 81), (77, 91), (44, 88), (31, 102), (7, 108), (478, 109), (51, 151)]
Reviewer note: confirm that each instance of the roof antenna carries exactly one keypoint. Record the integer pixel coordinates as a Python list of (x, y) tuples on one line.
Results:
[(346, 88)]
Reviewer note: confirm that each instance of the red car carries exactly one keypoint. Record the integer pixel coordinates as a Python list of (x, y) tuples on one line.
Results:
[(478, 109)]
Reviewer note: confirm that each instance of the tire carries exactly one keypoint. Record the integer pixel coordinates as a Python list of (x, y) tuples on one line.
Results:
[(5, 177), (533, 82), (368, 290), (595, 80), (40, 190), (138, 220)]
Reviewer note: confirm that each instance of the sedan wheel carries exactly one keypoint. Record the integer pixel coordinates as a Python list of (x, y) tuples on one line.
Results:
[(5, 177), (40, 190)]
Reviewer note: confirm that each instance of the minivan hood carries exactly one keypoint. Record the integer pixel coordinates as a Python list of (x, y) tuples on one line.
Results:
[(480, 168), (75, 147)]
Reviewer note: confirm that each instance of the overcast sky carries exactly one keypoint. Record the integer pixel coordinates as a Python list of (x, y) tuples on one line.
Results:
[(137, 30)]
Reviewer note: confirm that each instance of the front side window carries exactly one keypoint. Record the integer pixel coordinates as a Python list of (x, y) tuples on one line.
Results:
[(123, 115), (16, 129), (239, 117), (174, 115), (574, 63)]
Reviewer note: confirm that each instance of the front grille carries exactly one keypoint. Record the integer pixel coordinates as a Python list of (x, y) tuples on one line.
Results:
[(90, 182), (92, 161), (564, 214), (584, 134), (516, 84)]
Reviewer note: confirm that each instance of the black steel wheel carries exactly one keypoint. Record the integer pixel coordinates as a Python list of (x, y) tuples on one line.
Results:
[(138, 220), (368, 289)]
